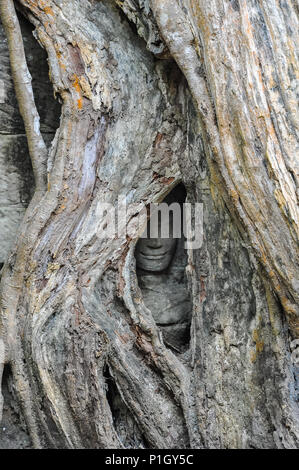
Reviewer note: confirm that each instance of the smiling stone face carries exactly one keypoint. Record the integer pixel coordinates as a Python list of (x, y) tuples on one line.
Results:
[(154, 254), (160, 263)]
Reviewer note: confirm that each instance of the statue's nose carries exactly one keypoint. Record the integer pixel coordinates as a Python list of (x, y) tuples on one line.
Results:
[(154, 243)]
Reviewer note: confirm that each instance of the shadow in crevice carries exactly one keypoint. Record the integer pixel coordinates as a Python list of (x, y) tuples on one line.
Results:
[(13, 434), (124, 423)]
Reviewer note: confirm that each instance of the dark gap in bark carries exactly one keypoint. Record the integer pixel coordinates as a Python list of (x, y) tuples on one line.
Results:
[(13, 434), (124, 423), (161, 263), (48, 107), (124, 19), (150, 34)]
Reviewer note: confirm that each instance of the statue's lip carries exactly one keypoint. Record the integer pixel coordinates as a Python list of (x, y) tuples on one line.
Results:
[(157, 256)]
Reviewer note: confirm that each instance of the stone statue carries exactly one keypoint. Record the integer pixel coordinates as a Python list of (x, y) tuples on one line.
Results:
[(161, 275)]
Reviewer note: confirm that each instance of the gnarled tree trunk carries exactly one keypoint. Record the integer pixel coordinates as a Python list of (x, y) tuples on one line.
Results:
[(155, 93)]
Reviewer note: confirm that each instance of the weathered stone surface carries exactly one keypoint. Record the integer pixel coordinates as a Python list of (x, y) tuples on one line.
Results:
[(16, 180), (16, 185), (161, 270)]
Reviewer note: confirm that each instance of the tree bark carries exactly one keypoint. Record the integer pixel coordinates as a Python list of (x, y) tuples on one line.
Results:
[(206, 96)]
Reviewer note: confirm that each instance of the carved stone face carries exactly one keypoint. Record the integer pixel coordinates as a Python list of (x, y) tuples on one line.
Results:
[(154, 254)]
